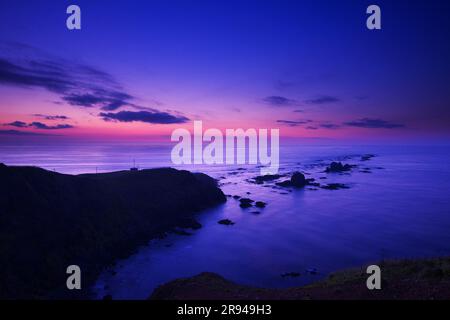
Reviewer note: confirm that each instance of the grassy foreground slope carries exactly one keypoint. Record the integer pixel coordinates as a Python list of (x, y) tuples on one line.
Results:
[(401, 279)]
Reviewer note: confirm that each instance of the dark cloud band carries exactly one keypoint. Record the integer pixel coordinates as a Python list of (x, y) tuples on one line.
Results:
[(155, 117)]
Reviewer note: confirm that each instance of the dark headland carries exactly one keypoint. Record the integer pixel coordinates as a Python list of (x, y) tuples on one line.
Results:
[(49, 221)]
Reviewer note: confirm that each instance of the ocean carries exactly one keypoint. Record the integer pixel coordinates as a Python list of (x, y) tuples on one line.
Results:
[(397, 206)]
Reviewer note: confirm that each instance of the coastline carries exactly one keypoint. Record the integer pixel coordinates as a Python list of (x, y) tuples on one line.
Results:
[(252, 223), (406, 279), (54, 220)]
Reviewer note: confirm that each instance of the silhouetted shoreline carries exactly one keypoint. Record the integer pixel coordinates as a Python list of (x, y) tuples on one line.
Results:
[(51, 220)]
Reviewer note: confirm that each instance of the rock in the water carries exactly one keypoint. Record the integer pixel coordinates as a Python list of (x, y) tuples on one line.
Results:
[(335, 186), (285, 183), (367, 157), (226, 222), (338, 167), (260, 204), (246, 200), (297, 180), (267, 177)]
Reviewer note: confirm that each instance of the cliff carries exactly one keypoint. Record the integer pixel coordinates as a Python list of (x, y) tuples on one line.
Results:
[(50, 220)]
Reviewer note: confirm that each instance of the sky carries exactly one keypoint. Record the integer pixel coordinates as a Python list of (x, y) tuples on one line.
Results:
[(140, 69)]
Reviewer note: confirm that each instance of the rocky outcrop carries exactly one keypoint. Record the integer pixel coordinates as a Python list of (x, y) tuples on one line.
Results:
[(225, 222), (338, 167), (266, 178), (297, 180)]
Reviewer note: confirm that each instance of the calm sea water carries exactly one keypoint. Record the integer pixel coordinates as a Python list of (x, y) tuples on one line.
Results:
[(400, 209)]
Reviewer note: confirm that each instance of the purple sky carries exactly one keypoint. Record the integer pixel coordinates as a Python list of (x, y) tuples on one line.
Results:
[(143, 68)]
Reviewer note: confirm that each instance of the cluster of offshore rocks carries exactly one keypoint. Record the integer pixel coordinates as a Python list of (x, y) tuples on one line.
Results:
[(295, 180), (298, 179), (244, 203)]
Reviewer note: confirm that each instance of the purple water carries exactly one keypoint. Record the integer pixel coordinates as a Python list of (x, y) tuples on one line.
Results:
[(400, 209)]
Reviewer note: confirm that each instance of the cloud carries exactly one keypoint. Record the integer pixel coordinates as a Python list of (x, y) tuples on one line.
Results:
[(155, 117), (18, 124), (373, 124), (279, 101), (313, 125), (20, 133), (47, 117), (294, 123), (84, 100), (299, 111), (76, 84), (105, 100), (322, 100), (26, 76), (329, 126), (40, 125)]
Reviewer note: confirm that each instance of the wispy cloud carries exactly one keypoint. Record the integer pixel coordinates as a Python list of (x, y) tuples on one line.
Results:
[(17, 124), (361, 123), (155, 117), (280, 101), (38, 125), (324, 99), (43, 126), (373, 124), (105, 100), (75, 84), (20, 133), (293, 123), (329, 126), (49, 117)]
